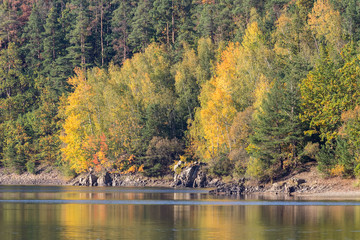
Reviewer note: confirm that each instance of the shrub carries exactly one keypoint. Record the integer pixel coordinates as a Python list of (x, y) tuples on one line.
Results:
[(337, 160), (240, 158), (161, 153), (326, 159), (311, 150), (255, 168), (153, 171), (221, 166), (30, 167)]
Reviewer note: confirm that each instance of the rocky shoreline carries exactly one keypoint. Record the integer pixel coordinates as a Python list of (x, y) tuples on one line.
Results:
[(193, 176)]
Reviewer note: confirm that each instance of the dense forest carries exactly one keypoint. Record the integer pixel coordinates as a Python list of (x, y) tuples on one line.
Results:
[(253, 88)]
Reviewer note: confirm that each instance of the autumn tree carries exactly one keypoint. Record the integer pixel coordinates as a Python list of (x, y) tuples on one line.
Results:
[(231, 91), (325, 24)]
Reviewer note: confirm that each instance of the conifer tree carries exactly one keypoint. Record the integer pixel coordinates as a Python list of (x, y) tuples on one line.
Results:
[(142, 30), (121, 28), (33, 36), (79, 50)]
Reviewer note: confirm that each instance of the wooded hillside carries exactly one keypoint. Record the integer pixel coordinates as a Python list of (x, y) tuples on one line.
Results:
[(253, 88)]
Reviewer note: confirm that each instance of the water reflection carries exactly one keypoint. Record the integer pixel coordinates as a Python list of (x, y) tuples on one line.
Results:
[(128, 221)]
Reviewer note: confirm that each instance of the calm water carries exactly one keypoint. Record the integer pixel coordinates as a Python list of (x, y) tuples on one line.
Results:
[(29, 212)]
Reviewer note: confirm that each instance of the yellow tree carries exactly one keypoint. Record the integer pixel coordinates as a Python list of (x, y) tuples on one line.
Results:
[(84, 128), (76, 122), (232, 90), (325, 23), (140, 102)]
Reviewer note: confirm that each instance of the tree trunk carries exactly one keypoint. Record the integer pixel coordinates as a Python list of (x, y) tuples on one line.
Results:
[(167, 33), (173, 22), (102, 32)]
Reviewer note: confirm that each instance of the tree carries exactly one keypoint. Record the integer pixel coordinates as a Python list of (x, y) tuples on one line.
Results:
[(142, 33), (326, 93), (277, 131), (16, 97), (231, 91), (33, 36), (13, 84), (84, 128), (325, 24), (121, 23), (164, 14), (79, 50), (187, 87)]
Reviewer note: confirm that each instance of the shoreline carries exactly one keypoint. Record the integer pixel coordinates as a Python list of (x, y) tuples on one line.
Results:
[(313, 185)]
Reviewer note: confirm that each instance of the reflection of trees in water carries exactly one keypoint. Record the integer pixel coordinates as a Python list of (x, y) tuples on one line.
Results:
[(111, 221)]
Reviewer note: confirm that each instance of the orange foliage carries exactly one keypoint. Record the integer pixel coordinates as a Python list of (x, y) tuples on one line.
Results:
[(337, 171), (97, 149)]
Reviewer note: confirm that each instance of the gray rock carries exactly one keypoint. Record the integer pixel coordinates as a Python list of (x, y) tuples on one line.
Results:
[(200, 180), (187, 177), (88, 180), (104, 180)]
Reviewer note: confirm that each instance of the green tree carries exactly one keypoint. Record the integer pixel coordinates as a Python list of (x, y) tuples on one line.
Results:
[(142, 30), (17, 97), (326, 93), (278, 131), (121, 23), (79, 50), (32, 34)]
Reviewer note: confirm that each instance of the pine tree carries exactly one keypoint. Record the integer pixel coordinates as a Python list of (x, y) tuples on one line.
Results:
[(163, 14), (17, 98), (100, 13), (33, 36), (142, 30), (185, 26), (120, 25), (79, 52)]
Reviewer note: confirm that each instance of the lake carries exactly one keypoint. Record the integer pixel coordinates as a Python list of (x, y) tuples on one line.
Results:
[(52, 212)]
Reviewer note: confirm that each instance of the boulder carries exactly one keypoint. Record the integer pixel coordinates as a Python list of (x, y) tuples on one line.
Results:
[(104, 180), (88, 180), (188, 176), (116, 181), (200, 180)]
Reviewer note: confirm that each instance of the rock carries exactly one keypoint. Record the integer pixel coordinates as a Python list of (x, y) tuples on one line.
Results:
[(116, 181), (187, 177), (276, 187), (200, 180), (88, 180), (296, 181), (177, 165), (104, 180), (214, 183)]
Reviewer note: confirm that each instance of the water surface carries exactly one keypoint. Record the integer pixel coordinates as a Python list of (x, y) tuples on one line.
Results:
[(33, 212)]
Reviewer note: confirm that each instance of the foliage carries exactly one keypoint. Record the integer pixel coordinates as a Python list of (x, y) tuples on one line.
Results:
[(221, 166), (251, 87), (160, 155)]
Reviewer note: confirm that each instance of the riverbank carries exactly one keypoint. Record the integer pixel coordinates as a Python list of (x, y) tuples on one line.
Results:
[(45, 175), (308, 182)]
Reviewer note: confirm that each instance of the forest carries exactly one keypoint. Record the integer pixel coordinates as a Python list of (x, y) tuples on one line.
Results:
[(253, 88)]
